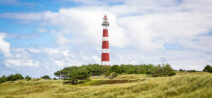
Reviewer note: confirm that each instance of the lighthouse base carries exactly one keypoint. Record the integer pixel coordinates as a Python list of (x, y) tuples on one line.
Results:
[(105, 63)]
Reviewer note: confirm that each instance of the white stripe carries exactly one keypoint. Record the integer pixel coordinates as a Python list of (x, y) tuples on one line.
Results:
[(105, 50), (105, 63), (105, 39), (104, 27)]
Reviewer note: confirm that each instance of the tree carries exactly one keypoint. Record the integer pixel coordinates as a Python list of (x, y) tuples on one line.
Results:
[(113, 75), (95, 69), (64, 72), (77, 74), (116, 68), (193, 70), (208, 68), (46, 77), (168, 70), (54, 78), (164, 70), (157, 71), (124, 68), (28, 78), (136, 69), (146, 69), (15, 77), (181, 70), (57, 73), (3, 79)]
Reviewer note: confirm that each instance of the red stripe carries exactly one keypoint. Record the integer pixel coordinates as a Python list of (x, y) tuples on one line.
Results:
[(105, 33), (105, 44), (105, 57)]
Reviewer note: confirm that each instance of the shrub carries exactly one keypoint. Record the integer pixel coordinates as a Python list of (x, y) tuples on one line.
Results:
[(191, 70), (77, 74), (115, 68), (95, 69), (3, 79), (181, 70), (172, 73), (107, 73), (157, 71), (113, 75), (46, 77), (15, 77), (164, 70), (28, 78), (208, 68), (55, 79)]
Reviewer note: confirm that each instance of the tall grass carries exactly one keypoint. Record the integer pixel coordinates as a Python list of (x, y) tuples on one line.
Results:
[(183, 85)]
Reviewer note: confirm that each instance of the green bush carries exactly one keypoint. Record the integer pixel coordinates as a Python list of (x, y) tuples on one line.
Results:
[(191, 70), (28, 78), (3, 79), (115, 68), (11, 78), (96, 70), (54, 78), (77, 74), (93, 69), (46, 77), (164, 70), (113, 75), (208, 68), (172, 73), (107, 73), (15, 77)]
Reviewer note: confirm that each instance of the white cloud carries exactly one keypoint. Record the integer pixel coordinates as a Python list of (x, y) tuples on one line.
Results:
[(4, 46), (140, 28), (63, 57), (42, 30), (95, 2), (20, 62), (10, 2), (23, 16), (19, 58), (144, 31)]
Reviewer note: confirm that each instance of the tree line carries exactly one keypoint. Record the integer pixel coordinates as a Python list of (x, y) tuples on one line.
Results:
[(15, 77), (75, 73), (208, 68)]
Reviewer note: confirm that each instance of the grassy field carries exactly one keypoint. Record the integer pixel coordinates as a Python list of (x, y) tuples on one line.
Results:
[(182, 85)]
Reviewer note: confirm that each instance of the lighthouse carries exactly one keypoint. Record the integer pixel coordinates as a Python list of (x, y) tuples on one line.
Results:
[(105, 59)]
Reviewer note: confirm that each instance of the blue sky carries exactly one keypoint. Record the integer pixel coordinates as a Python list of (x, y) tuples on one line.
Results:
[(43, 36)]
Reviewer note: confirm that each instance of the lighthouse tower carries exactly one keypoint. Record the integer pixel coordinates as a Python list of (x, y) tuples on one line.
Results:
[(105, 60)]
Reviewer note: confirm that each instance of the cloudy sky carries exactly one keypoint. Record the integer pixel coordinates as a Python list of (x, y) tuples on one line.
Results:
[(39, 37)]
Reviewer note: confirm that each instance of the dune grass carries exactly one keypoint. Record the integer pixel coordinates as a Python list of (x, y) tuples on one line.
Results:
[(182, 85)]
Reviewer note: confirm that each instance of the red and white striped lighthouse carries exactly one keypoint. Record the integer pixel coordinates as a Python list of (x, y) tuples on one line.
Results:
[(105, 60)]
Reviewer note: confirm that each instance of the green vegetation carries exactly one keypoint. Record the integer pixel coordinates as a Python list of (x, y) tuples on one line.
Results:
[(3, 79), (164, 70), (113, 75), (28, 78), (15, 77), (116, 69), (181, 85), (125, 81), (76, 73), (11, 78), (45, 77), (208, 68)]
